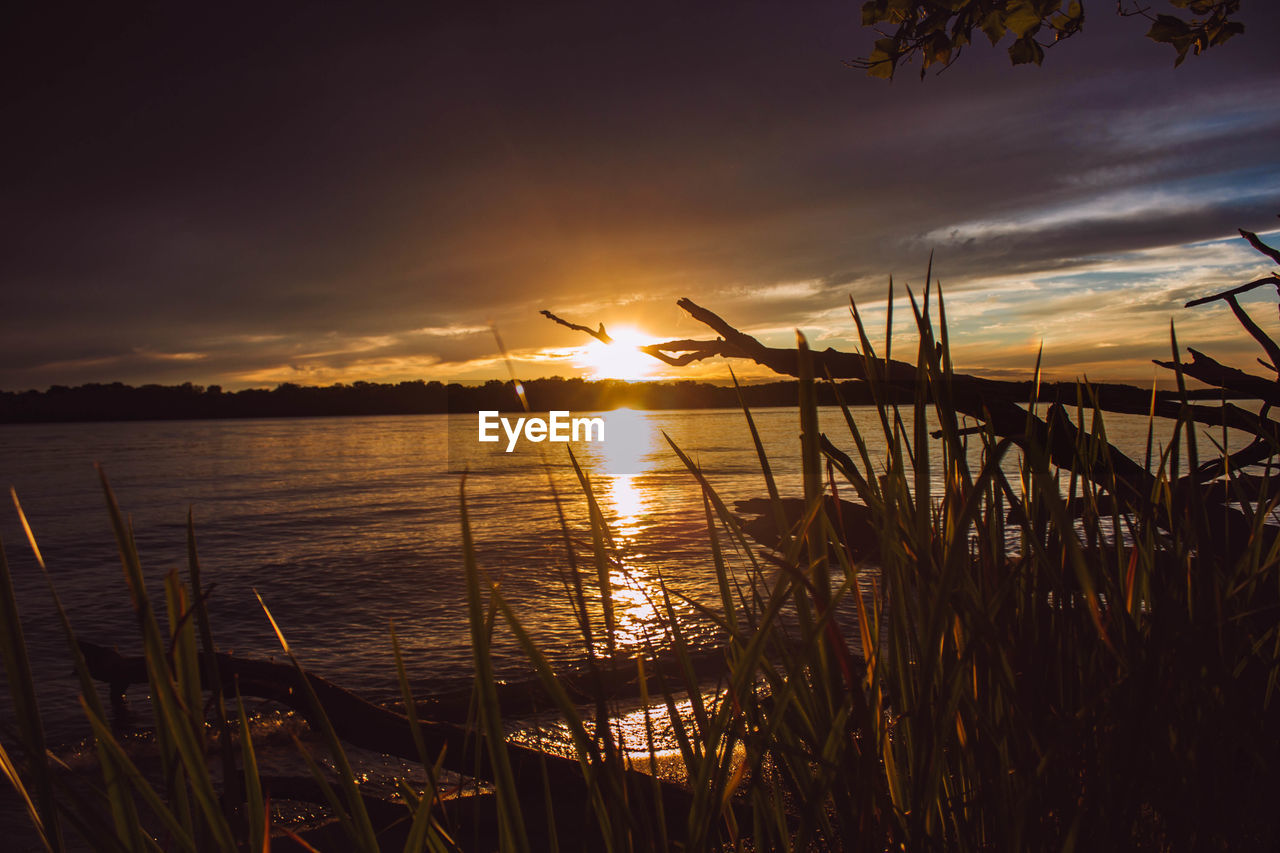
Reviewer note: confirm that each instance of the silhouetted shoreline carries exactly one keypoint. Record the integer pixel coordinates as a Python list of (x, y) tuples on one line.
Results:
[(120, 402)]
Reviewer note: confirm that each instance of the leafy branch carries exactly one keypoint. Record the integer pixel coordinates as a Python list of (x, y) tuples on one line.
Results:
[(937, 31)]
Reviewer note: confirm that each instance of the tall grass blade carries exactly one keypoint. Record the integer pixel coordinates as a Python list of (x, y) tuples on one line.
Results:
[(353, 814), (10, 772), (124, 817), (232, 795), (510, 821), (17, 665)]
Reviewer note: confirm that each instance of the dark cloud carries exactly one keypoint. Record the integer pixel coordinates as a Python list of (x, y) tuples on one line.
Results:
[(221, 192)]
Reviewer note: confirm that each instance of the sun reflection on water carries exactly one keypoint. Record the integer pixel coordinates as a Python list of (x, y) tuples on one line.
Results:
[(625, 460), (628, 505), (633, 585)]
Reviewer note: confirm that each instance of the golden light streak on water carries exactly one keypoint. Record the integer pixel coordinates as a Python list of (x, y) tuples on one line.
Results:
[(636, 593), (628, 504), (626, 457)]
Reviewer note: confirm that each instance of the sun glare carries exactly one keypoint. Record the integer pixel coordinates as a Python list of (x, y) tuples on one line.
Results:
[(621, 359)]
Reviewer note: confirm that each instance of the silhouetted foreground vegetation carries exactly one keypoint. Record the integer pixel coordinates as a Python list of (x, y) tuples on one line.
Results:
[(1058, 648)]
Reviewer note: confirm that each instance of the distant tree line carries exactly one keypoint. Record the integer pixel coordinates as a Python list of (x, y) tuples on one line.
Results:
[(119, 402)]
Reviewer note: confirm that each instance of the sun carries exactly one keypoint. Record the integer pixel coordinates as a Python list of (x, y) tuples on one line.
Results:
[(621, 359)]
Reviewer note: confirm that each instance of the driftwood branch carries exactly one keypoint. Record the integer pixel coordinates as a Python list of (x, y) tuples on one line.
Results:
[(363, 724), (987, 400), (837, 365), (1273, 254), (995, 403), (1213, 372), (1235, 291), (691, 351), (599, 334), (1254, 330)]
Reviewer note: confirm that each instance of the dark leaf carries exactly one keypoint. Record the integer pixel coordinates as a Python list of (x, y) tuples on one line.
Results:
[(993, 26), (1023, 19), (1167, 29), (1025, 51)]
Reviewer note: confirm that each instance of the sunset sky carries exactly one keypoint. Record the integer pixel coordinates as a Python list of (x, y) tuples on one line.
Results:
[(247, 196)]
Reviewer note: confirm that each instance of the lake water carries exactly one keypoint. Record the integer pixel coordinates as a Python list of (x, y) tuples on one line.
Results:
[(346, 525)]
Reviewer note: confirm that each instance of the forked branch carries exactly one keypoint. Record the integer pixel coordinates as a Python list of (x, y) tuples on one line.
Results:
[(599, 334), (1255, 242)]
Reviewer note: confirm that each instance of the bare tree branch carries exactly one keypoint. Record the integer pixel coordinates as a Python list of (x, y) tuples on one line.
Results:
[(1112, 397), (599, 334), (1236, 291), (995, 403), (692, 351), (1273, 254), (1273, 351), (1213, 372), (987, 400)]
